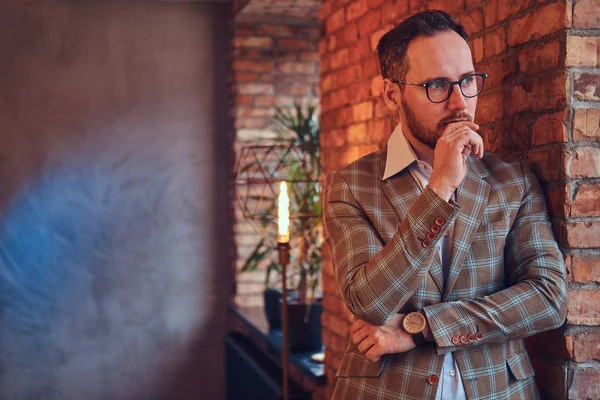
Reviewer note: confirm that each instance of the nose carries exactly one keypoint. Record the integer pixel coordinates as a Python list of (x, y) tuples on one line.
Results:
[(457, 102)]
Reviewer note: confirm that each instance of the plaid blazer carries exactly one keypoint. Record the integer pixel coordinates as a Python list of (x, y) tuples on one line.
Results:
[(506, 281)]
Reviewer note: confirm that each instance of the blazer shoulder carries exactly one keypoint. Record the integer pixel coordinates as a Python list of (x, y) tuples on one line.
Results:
[(504, 170), (368, 165)]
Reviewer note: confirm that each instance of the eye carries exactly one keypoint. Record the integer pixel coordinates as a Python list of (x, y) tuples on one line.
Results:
[(437, 85), (467, 80)]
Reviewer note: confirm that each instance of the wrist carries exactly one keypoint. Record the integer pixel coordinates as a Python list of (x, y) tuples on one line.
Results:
[(443, 191)]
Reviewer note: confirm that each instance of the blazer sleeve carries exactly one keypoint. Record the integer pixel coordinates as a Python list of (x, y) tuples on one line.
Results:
[(536, 301), (374, 278)]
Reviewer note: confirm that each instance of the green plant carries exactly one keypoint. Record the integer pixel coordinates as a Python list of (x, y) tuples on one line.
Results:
[(303, 174)]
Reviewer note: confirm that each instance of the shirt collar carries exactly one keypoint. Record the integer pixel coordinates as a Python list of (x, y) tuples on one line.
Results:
[(399, 153)]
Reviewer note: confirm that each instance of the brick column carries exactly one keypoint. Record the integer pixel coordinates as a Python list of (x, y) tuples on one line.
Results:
[(541, 102)]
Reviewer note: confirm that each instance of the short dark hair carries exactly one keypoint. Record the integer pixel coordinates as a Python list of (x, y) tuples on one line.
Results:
[(392, 46)]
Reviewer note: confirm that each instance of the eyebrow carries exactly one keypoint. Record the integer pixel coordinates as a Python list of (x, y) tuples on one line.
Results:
[(429, 79)]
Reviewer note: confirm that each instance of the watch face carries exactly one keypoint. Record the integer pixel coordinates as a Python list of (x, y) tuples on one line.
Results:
[(413, 323)]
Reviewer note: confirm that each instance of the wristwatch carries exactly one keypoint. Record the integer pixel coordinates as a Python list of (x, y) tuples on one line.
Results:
[(414, 323)]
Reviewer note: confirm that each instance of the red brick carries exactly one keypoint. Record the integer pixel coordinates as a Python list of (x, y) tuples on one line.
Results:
[(584, 162), (586, 15), (337, 325), (370, 68), (489, 106), (376, 86), (498, 11), (256, 88), (296, 44), (473, 3), (243, 77), (547, 164), (550, 128), (546, 20), (359, 91), (473, 21), (244, 100), (325, 9), (586, 86), (254, 41), (392, 10), (494, 42), (347, 36), (498, 71), (381, 109), (309, 56), (357, 134), (265, 101), (586, 124), (335, 21), (584, 307), (587, 346), (252, 66), (477, 49), (586, 201), (539, 93), (582, 235), (369, 23), (452, 7), (585, 268), (375, 3), (356, 9), (586, 384), (582, 51), (275, 30), (362, 111), (540, 57), (340, 58), (297, 68), (346, 76), (378, 131)]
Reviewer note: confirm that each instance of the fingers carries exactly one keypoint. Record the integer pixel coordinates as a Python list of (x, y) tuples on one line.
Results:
[(359, 336), (366, 345), (357, 325), (466, 139), (373, 354), (456, 125)]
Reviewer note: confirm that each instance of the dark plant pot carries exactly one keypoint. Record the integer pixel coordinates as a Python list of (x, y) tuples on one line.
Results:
[(272, 298), (273, 308), (305, 330)]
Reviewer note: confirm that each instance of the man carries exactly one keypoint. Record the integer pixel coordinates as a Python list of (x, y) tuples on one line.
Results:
[(443, 253)]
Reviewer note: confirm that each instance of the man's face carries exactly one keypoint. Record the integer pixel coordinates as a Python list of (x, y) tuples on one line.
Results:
[(444, 55)]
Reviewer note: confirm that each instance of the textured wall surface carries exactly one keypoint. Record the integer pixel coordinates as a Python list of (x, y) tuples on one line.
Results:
[(114, 236)]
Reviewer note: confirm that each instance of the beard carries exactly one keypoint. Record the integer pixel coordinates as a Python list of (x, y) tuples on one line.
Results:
[(424, 134)]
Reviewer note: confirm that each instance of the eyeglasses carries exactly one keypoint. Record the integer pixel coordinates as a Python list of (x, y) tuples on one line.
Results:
[(439, 90)]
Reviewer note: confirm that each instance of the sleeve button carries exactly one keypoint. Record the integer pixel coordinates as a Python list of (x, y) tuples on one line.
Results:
[(439, 221), (456, 340)]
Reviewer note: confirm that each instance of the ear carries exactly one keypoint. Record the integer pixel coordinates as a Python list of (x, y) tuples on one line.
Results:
[(391, 95)]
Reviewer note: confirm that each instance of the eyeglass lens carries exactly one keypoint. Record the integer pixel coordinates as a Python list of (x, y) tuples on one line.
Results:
[(470, 86)]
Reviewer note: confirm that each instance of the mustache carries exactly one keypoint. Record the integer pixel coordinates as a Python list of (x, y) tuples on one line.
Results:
[(460, 116)]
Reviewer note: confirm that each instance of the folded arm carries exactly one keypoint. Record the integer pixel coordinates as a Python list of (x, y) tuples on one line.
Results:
[(376, 279)]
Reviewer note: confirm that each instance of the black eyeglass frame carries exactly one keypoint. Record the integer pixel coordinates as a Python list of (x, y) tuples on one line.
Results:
[(450, 89)]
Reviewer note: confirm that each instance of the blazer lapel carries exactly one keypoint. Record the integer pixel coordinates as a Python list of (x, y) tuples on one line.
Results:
[(401, 190), (472, 196)]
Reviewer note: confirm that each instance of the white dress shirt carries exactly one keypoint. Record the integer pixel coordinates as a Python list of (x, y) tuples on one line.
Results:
[(400, 155)]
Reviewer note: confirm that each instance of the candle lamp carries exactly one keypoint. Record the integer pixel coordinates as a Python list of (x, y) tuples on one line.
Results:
[(283, 245)]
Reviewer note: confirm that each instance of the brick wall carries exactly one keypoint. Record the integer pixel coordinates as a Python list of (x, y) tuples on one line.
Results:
[(274, 65), (542, 102)]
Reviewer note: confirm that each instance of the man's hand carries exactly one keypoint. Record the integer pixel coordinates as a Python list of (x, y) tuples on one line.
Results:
[(376, 341), (458, 141)]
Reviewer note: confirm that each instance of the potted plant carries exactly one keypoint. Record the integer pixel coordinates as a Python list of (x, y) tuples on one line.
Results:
[(302, 171)]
